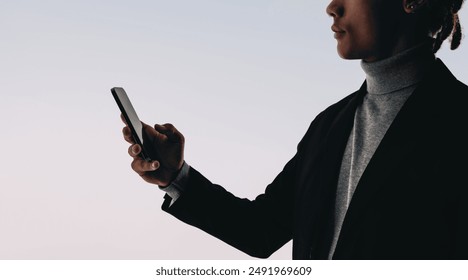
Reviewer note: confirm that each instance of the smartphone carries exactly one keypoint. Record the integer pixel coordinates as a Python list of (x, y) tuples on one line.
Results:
[(131, 118)]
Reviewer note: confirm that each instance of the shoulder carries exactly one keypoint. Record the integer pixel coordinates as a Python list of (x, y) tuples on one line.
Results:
[(443, 79), (460, 90), (452, 93), (443, 99)]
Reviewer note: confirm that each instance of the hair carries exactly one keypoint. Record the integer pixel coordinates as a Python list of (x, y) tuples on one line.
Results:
[(443, 22)]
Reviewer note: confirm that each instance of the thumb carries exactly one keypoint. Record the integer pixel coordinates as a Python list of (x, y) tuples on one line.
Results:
[(170, 131)]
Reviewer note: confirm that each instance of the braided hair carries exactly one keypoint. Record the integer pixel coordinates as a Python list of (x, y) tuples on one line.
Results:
[(443, 21)]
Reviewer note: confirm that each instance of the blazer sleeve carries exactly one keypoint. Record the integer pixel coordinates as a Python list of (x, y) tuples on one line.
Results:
[(258, 227)]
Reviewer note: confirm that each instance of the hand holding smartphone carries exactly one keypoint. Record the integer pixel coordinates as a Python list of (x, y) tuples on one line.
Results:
[(161, 159), (131, 118)]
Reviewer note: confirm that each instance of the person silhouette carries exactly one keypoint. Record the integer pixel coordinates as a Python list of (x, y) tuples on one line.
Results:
[(378, 175)]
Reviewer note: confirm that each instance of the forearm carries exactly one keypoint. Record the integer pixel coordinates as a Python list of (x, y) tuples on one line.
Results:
[(257, 227)]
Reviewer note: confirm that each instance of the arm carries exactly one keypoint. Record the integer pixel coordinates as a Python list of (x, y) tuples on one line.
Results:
[(256, 227)]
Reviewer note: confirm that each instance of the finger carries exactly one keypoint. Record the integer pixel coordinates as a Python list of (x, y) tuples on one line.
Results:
[(127, 133), (134, 150), (171, 132), (141, 166), (123, 119), (160, 128)]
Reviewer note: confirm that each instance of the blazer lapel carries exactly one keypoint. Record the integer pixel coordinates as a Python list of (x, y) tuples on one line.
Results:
[(412, 122), (323, 197)]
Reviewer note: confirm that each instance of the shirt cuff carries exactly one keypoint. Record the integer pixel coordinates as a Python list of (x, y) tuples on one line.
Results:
[(178, 186)]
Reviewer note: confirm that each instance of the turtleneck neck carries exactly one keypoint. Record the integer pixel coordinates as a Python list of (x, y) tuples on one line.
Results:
[(400, 71), (390, 82)]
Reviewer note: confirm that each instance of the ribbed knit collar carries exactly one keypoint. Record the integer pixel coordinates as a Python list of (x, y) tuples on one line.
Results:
[(400, 71)]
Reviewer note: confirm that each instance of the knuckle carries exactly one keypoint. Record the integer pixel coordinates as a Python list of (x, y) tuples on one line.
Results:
[(136, 166), (125, 130), (145, 166), (169, 126)]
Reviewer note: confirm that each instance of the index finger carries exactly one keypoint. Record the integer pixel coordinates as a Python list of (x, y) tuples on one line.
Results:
[(123, 119), (127, 133)]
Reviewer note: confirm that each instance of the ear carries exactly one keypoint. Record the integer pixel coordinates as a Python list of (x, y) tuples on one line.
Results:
[(412, 6)]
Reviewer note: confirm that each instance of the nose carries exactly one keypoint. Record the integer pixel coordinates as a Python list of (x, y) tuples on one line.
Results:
[(335, 9)]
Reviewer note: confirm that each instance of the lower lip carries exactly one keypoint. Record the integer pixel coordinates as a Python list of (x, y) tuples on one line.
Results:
[(339, 35)]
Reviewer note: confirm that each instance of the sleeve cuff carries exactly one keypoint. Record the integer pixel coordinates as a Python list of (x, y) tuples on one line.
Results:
[(177, 187)]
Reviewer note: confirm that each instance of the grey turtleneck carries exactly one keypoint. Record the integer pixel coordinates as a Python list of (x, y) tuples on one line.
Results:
[(389, 84)]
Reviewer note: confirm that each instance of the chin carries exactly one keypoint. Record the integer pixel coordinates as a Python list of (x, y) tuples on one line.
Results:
[(350, 54)]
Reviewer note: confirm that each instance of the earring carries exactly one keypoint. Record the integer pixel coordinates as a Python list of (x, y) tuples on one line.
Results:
[(411, 7)]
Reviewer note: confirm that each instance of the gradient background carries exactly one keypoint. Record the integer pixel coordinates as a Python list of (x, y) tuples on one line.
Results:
[(241, 79)]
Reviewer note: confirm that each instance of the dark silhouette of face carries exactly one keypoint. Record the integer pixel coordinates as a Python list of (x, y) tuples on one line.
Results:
[(368, 29)]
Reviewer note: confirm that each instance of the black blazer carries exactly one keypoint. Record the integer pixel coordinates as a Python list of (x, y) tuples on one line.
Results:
[(410, 203)]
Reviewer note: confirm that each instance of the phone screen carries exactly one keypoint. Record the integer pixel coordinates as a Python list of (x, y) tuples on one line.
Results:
[(131, 118)]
